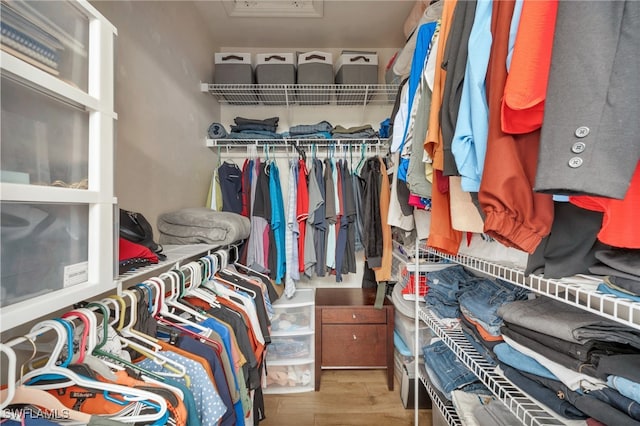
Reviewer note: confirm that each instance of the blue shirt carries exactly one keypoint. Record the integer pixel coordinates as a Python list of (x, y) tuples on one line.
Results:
[(469, 145)]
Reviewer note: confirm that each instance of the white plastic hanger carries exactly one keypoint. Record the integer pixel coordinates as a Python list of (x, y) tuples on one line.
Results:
[(128, 332), (176, 292), (164, 312), (17, 394), (202, 293), (129, 394), (91, 329)]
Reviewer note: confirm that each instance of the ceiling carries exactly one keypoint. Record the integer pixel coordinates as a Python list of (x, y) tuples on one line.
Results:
[(345, 23)]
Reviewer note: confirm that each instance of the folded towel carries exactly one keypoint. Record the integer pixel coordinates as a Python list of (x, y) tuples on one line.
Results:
[(217, 131), (199, 225)]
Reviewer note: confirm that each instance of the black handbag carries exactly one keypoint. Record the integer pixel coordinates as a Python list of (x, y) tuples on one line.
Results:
[(137, 229)]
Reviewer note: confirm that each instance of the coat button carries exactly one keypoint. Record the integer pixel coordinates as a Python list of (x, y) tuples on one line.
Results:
[(578, 147), (582, 131), (575, 162)]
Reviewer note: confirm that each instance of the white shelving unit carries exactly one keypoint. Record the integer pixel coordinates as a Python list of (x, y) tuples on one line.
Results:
[(624, 311), (233, 143), (528, 411), (177, 255), (57, 159), (302, 94), (293, 321), (447, 410)]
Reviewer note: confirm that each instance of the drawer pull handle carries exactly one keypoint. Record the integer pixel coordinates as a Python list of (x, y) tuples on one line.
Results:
[(354, 337), (354, 316)]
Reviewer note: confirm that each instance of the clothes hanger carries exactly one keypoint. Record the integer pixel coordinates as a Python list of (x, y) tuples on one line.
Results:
[(222, 287), (130, 394), (167, 317), (223, 254), (98, 350), (163, 316), (18, 394), (89, 341), (69, 327), (201, 292), (129, 331), (116, 311), (177, 278), (177, 369), (123, 308), (147, 376)]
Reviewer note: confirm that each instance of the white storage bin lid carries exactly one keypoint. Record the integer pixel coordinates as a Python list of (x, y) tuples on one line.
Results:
[(275, 58), (232, 58), (315, 56), (356, 59)]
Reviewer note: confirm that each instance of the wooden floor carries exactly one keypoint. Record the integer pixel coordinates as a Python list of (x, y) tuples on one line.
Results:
[(346, 398)]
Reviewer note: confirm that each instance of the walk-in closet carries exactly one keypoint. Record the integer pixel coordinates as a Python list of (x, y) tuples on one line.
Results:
[(320, 212)]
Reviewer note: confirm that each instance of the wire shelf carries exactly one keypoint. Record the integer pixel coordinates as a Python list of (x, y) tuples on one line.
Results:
[(239, 143), (302, 94), (527, 411), (448, 411), (176, 254), (624, 311)]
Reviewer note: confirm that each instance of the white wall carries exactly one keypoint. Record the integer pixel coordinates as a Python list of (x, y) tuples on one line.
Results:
[(163, 51)]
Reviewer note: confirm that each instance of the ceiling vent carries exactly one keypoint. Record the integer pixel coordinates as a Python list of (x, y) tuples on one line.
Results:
[(274, 8)]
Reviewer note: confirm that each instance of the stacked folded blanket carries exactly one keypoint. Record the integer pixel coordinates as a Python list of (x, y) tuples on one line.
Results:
[(201, 225)]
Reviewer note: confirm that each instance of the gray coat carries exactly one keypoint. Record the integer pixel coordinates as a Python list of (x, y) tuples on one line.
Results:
[(590, 142)]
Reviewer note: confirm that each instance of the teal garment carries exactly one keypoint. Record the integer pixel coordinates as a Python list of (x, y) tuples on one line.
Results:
[(278, 221), (189, 402)]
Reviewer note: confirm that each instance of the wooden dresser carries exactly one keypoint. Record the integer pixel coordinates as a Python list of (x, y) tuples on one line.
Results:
[(351, 332)]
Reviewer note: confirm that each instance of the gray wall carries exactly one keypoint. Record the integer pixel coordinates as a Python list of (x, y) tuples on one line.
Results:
[(163, 52)]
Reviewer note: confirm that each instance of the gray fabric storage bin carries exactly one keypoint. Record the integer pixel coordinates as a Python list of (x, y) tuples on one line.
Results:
[(235, 68), (315, 68), (275, 68), (355, 68)]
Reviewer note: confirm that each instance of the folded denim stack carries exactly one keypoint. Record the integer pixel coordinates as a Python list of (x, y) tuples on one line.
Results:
[(447, 373), (480, 303), (444, 288), (554, 350)]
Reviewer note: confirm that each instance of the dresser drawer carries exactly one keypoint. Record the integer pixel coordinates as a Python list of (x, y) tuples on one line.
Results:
[(354, 346), (354, 316)]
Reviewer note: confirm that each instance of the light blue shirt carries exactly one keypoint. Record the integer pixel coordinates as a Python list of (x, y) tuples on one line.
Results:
[(469, 146)]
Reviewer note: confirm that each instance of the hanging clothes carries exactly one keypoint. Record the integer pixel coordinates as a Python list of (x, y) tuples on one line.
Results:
[(330, 214), (278, 224), (292, 233), (302, 211), (230, 177)]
